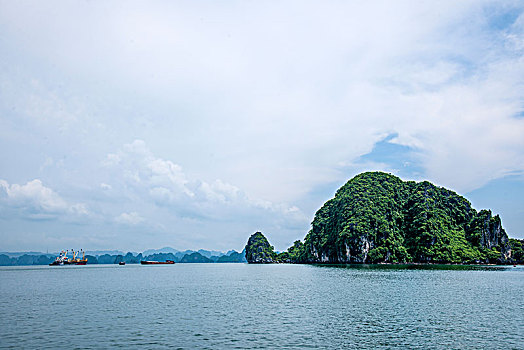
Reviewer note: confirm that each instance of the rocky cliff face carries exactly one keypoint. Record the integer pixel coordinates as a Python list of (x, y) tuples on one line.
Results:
[(258, 250), (487, 231), (377, 217)]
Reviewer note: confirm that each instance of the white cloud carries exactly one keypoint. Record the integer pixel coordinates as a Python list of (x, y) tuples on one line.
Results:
[(132, 218), (165, 184), (36, 201), (282, 94), (274, 99)]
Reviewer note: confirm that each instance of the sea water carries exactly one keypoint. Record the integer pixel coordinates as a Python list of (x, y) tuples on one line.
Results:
[(228, 306)]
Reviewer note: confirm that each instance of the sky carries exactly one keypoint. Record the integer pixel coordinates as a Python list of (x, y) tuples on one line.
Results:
[(133, 125)]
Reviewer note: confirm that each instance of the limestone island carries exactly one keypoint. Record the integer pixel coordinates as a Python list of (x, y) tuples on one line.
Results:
[(378, 218)]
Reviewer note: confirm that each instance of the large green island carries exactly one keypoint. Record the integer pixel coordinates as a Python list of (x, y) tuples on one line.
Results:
[(378, 218)]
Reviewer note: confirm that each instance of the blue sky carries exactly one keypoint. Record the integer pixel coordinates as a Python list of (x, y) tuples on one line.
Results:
[(139, 125)]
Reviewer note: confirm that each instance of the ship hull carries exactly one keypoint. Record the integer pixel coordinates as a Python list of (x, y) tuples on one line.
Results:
[(167, 262), (75, 262), (62, 263)]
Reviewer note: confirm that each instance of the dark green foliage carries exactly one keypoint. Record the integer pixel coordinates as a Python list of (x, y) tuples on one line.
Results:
[(258, 250), (295, 253), (517, 250), (376, 217), (283, 257)]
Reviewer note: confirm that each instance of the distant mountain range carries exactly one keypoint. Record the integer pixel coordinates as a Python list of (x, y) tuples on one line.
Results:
[(117, 256), (206, 253), (18, 254), (102, 252), (161, 250)]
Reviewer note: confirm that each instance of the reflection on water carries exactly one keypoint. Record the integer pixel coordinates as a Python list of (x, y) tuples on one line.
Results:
[(419, 267)]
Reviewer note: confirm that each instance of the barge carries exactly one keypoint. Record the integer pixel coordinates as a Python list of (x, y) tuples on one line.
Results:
[(147, 262)]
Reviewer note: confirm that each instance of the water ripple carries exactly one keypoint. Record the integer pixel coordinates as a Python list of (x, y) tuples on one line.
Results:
[(239, 306)]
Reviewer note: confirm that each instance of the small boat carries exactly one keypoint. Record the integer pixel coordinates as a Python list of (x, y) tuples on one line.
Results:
[(122, 263), (146, 262)]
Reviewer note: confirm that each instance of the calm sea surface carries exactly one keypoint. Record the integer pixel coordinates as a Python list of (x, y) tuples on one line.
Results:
[(225, 306)]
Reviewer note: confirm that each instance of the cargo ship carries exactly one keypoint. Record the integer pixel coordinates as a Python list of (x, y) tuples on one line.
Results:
[(62, 258), (146, 262)]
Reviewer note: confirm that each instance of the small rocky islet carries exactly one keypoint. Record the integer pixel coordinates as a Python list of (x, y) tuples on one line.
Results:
[(378, 218), (259, 251)]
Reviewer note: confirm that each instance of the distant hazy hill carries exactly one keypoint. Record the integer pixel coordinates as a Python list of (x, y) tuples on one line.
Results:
[(233, 257), (102, 252), (25, 259), (18, 254), (210, 253), (35, 258), (195, 258), (180, 254), (161, 250)]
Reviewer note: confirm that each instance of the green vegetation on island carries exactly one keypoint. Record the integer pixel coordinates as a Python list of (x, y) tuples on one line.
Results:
[(259, 251), (378, 218), (517, 250)]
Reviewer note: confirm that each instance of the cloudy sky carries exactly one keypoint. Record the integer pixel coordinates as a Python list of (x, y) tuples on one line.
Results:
[(141, 124)]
